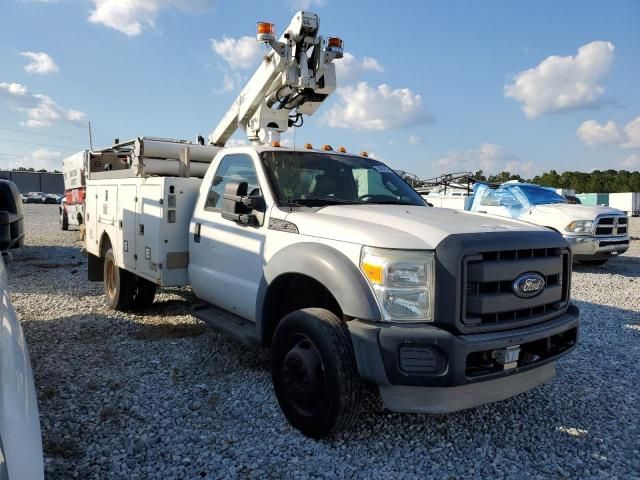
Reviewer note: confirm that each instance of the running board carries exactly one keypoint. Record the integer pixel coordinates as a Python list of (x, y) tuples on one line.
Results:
[(226, 322)]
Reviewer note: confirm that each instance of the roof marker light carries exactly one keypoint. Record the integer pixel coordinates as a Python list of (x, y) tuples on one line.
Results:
[(364, 154), (275, 144), (342, 150), (327, 148), (308, 145)]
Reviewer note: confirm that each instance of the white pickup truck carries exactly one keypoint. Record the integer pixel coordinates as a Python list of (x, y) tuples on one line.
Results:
[(336, 264), (594, 233)]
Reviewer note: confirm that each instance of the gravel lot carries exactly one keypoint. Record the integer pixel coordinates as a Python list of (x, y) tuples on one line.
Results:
[(160, 396)]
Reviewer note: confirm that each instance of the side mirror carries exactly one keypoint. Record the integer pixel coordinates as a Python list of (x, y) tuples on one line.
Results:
[(237, 206)]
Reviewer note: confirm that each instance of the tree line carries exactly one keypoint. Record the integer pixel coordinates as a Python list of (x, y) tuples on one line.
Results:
[(31, 169), (598, 181)]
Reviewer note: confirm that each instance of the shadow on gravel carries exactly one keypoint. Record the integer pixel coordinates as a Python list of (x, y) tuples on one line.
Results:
[(626, 266)]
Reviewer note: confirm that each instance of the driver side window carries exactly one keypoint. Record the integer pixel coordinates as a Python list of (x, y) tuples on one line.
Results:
[(237, 168)]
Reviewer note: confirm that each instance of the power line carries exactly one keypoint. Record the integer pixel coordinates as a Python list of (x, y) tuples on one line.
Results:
[(37, 144), (12, 155), (40, 134)]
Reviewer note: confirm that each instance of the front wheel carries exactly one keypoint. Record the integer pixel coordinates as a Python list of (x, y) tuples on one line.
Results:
[(314, 372)]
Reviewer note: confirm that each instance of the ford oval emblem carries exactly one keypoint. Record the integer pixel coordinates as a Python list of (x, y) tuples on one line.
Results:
[(528, 285)]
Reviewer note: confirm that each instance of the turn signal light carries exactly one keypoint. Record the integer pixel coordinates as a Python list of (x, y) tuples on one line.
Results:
[(373, 272), (342, 150), (327, 148), (308, 145), (364, 154)]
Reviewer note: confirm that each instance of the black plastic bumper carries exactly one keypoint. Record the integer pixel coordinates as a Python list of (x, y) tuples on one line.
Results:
[(424, 355)]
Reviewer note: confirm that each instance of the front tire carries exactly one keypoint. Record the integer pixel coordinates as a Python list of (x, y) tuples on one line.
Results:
[(314, 372), (119, 285)]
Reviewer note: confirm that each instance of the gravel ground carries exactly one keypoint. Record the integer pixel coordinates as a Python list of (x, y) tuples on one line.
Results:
[(160, 396)]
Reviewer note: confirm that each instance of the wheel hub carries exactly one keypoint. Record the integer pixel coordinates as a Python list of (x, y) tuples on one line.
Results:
[(303, 376)]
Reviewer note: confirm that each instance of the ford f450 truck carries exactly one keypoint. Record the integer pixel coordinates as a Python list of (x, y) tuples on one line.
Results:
[(338, 266), (329, 259)]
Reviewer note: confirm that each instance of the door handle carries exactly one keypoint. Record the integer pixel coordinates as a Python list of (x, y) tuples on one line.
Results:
[(196, 233)]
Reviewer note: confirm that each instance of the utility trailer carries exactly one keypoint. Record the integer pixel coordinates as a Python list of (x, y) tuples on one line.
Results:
[(628, 202)]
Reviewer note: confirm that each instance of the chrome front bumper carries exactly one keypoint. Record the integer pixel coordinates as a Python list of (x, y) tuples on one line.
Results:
[(591, 246)]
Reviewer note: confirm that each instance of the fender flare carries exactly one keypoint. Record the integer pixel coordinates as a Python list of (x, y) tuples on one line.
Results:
[(329, 267)]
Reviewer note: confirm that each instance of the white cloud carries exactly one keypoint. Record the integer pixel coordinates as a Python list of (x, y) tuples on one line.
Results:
[(362, 107), (592, 133), (632, 131), (378, 157), (237, 142), (488, 157), (350, 68), (131, 17), (632, 162), (238, 53), (231, 81), (39, 159), (41, 110), (13, 89), (415, 139), (41, 63), (563, 83), (305, 4)]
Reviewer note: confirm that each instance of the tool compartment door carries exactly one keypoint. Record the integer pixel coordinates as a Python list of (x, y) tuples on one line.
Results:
[(127, 224), (148, 231)]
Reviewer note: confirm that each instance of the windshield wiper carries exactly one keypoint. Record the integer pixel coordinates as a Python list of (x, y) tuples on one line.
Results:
[(321, 202)]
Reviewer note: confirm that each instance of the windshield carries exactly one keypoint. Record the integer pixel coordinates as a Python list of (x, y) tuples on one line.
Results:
[(540, 195), (320, 179)]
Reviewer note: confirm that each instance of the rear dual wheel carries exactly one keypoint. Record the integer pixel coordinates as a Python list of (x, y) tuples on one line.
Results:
[(124, 290), (64, 219)]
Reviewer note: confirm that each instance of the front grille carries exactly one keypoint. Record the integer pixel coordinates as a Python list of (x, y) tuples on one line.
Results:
[(488, 298), (611, 225)]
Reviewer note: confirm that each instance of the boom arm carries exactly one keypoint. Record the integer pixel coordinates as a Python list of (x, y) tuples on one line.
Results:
[(292, 80)]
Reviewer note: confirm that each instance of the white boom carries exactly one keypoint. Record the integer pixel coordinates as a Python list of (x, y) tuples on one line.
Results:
[(294, 78)]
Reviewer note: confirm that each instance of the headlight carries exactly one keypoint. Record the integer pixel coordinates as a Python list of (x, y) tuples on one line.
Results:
[(579, 226), (403, 282)]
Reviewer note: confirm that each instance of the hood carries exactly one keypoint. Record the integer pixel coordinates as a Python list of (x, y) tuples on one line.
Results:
[(573, 211), (398, 226)]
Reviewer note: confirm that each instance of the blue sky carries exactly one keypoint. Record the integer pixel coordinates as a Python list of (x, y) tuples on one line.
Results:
[(429, 87)]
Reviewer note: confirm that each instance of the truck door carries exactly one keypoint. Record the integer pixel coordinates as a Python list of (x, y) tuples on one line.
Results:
[(225, 264)]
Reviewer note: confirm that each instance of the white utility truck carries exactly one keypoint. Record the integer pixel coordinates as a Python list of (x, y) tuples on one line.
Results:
[(328, 258), (595, 233), (71, 208)]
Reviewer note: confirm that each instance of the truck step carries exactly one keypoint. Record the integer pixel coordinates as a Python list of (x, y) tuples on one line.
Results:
[(226, 322)]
